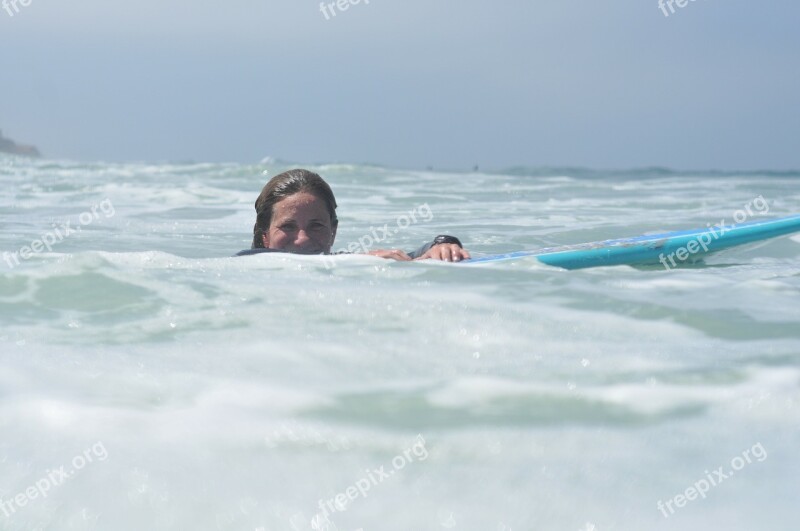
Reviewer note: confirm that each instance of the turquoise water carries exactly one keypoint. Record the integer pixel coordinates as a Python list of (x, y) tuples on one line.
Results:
[(181, 388)]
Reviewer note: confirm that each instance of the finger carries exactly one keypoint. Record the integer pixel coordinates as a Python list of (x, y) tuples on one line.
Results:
[(455, 252), (443, 252), (458, 253)]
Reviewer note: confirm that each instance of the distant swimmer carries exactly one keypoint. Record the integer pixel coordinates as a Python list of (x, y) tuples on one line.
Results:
[(296, 213)]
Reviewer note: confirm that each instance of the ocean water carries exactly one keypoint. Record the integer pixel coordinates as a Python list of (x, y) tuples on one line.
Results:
[(150, 381)]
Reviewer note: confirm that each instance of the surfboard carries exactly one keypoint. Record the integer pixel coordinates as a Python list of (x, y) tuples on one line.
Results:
[(670, 249)]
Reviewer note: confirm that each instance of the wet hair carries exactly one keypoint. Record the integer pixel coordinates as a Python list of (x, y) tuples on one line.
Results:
[(282, 186)]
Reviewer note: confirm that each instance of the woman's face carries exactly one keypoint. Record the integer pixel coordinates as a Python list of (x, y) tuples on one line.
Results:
[(300, 224)]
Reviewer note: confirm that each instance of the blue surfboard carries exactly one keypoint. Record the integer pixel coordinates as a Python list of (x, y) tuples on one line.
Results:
[(669, 249)]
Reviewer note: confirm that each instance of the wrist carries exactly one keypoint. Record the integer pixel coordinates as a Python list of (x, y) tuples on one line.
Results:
[(444, 238)]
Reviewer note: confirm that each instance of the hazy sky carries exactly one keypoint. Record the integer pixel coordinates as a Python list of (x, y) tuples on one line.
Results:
[(447, 83)]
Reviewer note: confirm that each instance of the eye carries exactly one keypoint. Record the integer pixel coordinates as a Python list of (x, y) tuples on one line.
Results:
[(287, 227)]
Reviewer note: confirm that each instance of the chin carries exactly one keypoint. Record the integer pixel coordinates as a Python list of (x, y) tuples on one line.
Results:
[(307, 251)]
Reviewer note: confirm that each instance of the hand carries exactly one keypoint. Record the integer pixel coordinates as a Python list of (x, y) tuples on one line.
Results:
[(394, 254), (449, 252)]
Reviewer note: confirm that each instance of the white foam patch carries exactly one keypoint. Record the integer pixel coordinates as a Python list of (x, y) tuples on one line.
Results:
[(470, 392), (663, 281), (242, 408), (764, 388)]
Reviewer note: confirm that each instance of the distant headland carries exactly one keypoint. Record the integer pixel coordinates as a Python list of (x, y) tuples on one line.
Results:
[(9, 146)]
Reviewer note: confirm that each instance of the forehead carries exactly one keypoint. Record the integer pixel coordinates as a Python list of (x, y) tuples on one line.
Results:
[(301, 205)]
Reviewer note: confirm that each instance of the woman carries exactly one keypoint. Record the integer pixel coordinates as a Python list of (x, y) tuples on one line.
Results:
[(296, 213)]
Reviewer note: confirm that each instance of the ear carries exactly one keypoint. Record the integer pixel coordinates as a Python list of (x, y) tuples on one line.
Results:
[(265, 240), (333, 233)]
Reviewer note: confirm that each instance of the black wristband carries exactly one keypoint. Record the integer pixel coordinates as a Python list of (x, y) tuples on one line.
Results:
[(443, 238)]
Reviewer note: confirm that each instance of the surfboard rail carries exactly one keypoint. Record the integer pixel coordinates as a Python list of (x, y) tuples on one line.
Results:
[(669, 249)]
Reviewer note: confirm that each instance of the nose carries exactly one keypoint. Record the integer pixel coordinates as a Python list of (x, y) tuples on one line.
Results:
[(301, 238)]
